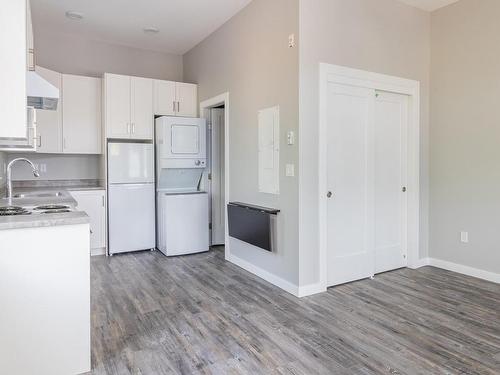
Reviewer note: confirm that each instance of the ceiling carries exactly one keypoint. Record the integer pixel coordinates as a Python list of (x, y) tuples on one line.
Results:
[(429, 5), (182, 23)]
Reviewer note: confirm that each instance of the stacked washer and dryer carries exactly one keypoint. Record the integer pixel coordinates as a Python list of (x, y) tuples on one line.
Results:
[(182, 206)]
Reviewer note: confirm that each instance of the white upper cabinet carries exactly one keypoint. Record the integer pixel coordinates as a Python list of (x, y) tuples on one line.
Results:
[(141, 109), (117, 105), (30, 41), (81, 114), (187, 99), (128, 106), (13, 72), (175, 99), (49, 123), (164, 98)]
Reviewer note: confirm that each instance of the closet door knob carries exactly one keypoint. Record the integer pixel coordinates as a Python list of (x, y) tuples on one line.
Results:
[(329, 194)]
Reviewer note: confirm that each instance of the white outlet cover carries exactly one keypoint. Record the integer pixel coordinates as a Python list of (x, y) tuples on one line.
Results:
[(290, 170)]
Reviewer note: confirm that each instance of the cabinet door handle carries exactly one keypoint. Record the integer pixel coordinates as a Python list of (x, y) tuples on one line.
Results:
[(103, 201), (178, 106), (133, 128), (128, 128), (173, 106), (39, 141)]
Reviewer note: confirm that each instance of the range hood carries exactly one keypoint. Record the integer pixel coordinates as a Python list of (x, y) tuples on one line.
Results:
[(41, 94)]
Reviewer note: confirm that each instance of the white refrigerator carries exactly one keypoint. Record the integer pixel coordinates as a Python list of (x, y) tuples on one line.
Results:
[(131, 197)]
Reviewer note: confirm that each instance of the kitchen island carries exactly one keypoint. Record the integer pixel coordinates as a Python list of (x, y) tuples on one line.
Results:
[(44, 287)]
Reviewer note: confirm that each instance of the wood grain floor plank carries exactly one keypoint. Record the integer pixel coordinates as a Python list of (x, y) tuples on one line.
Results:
[(202, 315)]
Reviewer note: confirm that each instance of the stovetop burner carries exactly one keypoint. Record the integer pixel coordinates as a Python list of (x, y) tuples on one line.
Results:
[(49, 207), (53, 211), (13, 210)]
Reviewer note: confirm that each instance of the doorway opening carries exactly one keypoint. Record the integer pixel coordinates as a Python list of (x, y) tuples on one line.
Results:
[(215, 111)]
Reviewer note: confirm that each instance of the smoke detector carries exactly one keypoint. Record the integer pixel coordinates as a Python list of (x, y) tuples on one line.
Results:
[(151, 30)]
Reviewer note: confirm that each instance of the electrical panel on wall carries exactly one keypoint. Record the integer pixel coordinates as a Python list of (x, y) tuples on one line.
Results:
[(269, 152)]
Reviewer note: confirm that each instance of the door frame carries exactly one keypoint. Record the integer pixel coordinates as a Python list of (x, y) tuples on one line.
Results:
[(329, 73), (222, 99)]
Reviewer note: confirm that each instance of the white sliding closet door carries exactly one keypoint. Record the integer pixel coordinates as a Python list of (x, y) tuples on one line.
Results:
[(350, 183), (366, 180), (391, 123)]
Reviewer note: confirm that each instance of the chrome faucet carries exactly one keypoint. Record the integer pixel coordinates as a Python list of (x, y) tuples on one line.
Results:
[(9, 174)]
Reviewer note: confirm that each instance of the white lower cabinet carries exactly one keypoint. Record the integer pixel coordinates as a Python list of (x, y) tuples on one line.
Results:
[(93, 203)]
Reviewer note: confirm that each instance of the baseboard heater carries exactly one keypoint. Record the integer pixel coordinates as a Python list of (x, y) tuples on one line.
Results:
[(255, 225)]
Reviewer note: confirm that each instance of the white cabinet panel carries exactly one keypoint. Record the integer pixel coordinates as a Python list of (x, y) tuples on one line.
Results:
[(141, 108), (30, 42), (82, 114), (164, 98), (269, 128), (49, 123), (175, 99), (187, 99), (92, 202), (117, 105), (13, 72)]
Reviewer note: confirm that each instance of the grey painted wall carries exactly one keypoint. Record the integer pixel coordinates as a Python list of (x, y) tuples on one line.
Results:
[(465, 134), (75, 55), (58, 167), (383, 36), (249, 57)]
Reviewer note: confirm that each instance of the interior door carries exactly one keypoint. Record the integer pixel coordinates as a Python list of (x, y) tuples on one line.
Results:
[(142, 108), (117, 106), (49, 123), (391, 122), (218, 211), (350, 205)]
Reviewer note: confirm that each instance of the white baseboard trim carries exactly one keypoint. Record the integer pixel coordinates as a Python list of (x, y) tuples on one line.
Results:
[(263, 274), (309, 290), (419, 263), (98, 251), (466, 270)]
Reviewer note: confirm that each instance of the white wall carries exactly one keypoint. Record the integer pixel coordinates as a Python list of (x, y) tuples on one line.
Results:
[(383, 36), (249, 57), (73, 54), (58, 167), (465, 134)]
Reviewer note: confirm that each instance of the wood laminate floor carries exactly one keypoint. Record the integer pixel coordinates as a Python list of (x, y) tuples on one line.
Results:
[(201, 315)]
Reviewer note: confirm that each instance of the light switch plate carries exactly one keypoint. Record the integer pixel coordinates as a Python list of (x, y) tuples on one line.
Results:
[(290, 138), (290, 170)]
